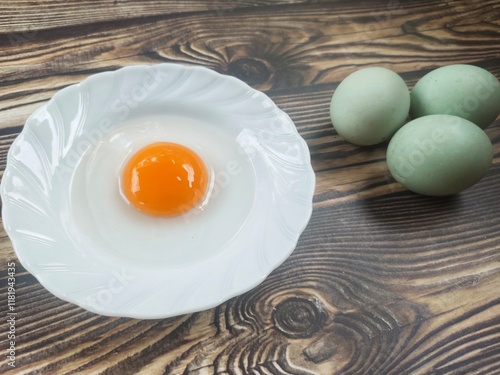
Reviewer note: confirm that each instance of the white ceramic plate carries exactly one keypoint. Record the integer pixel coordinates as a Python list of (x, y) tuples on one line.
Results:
[(74, 232)]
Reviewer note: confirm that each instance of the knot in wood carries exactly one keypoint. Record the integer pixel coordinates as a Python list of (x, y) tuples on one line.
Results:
[(299, 317), (249, 70)]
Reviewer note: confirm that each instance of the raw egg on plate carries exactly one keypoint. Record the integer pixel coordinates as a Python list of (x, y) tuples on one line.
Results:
[(156, 193)]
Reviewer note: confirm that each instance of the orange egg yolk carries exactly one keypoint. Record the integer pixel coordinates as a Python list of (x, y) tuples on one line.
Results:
[(165, 179)]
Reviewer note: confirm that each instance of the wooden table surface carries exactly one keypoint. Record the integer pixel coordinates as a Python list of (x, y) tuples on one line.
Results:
[(383, 281)]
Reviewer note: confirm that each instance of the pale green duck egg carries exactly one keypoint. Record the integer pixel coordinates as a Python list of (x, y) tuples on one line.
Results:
[(369, 106), (461, 90), (439, 155)]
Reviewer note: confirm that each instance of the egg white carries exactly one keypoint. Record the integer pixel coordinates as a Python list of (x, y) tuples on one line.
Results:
[(116, 231)]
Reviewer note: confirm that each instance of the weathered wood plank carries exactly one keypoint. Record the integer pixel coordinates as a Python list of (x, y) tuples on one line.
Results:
[(26, 17)]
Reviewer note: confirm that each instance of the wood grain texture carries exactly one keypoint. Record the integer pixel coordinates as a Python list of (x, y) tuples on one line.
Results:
[(382, 281)]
